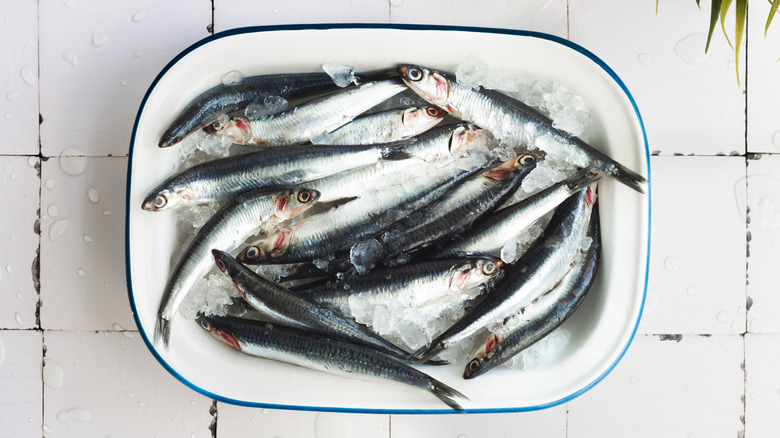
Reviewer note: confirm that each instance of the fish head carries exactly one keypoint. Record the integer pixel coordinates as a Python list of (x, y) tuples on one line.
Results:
[(482, 361), (267, 247), (476, 273), (467, 138), (290, 203), (230, 267), (523, 163), (236, 130), (208, 324), (168, 141), (431, 85), (422, 118), (167, 198)]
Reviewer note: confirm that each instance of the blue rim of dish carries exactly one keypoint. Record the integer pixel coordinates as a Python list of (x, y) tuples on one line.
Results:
[(326, 26)]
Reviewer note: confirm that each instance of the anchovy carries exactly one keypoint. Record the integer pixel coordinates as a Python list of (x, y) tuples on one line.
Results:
[(544, 314), (384, 127), (285, 308), (225, 99), (490, 235), (537, 271), (413, 284), (308, 120), (317, 352), (219, 179), (508, 119), (228, 228)]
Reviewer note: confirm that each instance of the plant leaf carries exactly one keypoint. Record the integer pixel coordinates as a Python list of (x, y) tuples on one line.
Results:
[(723, 10), (772, 12), (714, 14), (739, 29), (697, 4)]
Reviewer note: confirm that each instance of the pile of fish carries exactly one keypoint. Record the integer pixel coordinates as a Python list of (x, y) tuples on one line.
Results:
[(366, 204)]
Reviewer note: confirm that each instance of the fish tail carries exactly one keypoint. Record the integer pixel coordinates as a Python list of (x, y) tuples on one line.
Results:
[(447, 394), (629, 177), (162, 331), (424, 353), (395, 153), (583, 178)]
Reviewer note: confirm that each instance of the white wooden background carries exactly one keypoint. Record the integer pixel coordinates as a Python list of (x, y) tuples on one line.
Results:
[(705, 362)]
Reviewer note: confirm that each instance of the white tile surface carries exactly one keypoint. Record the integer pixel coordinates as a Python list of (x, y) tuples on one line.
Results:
[(20, 383), (547, 16), (229, 14), (690, 103), (19, 77), (763, 198), (83, 282), (98, 59), (764, 90), (548, 423), (19, 193), (697, 260), (235, 421), (762, 385), (107, 384), (665, 389)]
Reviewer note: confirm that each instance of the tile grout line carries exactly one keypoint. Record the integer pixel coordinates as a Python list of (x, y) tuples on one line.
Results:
[(742, 417), (36, 266)]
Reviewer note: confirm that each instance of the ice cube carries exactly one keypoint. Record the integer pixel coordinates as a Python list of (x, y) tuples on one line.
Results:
[(364, 255), (342, 74), (541, 352)]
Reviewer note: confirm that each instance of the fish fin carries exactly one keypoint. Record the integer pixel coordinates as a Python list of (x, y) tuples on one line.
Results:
[(447, 394), (162, 332), (377, 75), (395, 153), (629, 177), (583, 178), (436, 362), (426, 352)]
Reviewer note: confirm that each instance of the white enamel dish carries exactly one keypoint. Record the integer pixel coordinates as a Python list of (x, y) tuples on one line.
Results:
[(603, 326)]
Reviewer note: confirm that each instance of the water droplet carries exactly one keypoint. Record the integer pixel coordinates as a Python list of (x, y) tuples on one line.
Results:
[(232, 77), (50, 183), (776, 139), (274, 11), (688, 386), (463, 436), (632, 381), (32, 161), (82, 272), (690, 49), (11, 96), (9, 268), (651, 302), (88, 238), (71, 58), (74, 414), (8, 116), (94, 195), (328, 424), (741, 310), (672, 263), (139, 16), (764, 202), (46, 428), (141, 404), (396, 2), (266, 412), (691, 291), (106, 212), (28, 76), (19, 319), (19, 296), (69, 4), (53, 210), (53, 374), (73, 161), (123, 83), (722, 317), (98, 39), (57, 229), (645, 59)]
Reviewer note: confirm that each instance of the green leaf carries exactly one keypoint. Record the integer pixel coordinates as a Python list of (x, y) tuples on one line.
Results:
[(739, 31), (714, 14), (723, 10), (772, 12), (697, 4)]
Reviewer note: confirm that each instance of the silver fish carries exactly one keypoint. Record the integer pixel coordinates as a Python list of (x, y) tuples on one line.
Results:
[(508, 118), (384, 127), (228, 228), (307, 120), (542, 315), (536, 272), (317, 352)]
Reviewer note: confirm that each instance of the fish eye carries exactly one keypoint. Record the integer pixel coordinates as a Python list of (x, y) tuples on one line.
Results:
[(414, 74), (433, 111), (253, 252), (304, 196), (474, 365), (159, 201), (205, 324), (221, 265), (525, 160), (489, 268)]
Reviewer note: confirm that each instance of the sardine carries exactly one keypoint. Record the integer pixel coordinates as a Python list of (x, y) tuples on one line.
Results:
[(507, 119), (321, 353), (308, 120), (536, 272), (228, 228), (544, 314), (384, 127)]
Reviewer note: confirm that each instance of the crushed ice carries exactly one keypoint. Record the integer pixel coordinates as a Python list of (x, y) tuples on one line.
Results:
[(343, 75)]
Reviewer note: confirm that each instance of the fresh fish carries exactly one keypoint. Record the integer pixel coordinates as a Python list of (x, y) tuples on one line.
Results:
[(228, 228), (536, 272), (490, 235), (544, 314), (317, 352), (384, 127), (326, 233), (308, 120), (225, 99), (219, 179), (412, 285), (285, 308), (509, 119)]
